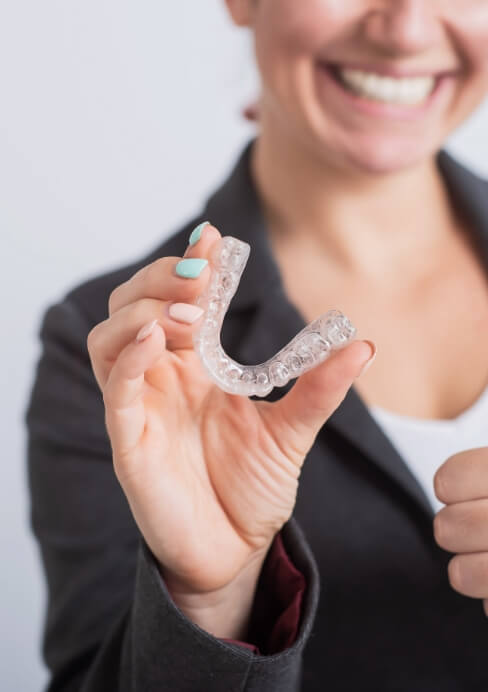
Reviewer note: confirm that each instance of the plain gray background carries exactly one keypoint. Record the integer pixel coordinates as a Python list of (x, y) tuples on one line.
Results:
[(117, 119)]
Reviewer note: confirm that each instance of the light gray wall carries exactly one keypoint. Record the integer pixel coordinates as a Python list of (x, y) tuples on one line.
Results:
[(98, 100)]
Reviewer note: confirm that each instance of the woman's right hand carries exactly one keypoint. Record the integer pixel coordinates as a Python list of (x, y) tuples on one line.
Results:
[(210, 477)]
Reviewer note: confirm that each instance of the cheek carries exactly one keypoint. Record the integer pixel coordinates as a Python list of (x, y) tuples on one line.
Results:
[(470, 33), (293, 28), (469, 28), (289, 35)]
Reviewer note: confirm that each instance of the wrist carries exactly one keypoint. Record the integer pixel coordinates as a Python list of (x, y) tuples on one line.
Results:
[(224, 612)]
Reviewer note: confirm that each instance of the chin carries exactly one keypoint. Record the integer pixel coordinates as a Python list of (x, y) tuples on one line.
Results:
[(380, 155)]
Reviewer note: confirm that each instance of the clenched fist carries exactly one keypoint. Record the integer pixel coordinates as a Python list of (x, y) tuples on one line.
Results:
[(462, 525)]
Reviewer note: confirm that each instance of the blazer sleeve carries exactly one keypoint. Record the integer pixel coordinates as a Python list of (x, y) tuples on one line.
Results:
[(110, 622)]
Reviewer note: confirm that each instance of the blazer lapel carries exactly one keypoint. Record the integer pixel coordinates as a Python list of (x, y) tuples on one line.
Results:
[(273, 320)]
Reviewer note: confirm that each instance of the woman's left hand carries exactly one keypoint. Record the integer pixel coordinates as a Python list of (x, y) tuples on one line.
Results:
[(462, 525)]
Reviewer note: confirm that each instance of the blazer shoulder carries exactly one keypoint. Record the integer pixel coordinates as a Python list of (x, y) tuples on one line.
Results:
[(91, 296), (460, 173)]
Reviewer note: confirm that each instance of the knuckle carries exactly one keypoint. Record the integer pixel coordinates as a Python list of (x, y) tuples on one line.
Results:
[(142, 310), (89, 340), (93, 338), (160, 267), (113, 299)]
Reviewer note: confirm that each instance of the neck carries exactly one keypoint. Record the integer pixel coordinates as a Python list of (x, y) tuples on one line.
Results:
[(358, 219)]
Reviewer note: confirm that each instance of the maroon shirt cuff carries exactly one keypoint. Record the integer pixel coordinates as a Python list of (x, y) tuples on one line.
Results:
[(277, 604)]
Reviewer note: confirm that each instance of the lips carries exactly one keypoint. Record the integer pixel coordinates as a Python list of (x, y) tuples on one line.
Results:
[(348, 101)]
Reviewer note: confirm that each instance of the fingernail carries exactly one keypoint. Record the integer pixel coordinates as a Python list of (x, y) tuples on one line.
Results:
[(191, 268), (184, 312), (371, 358), (144, 331), (196, 234)]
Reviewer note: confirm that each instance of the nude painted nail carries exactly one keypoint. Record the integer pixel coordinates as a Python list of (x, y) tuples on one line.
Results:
[(185, 312), (145, 331)]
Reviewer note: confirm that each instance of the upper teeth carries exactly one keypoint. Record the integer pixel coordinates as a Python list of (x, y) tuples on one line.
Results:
[(407, 90)]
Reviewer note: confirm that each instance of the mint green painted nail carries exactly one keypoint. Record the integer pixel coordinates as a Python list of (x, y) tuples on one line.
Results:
[(197, 233), (191, 268)]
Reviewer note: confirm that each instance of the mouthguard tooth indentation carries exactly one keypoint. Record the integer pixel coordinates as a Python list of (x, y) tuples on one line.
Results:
[(312, 345)]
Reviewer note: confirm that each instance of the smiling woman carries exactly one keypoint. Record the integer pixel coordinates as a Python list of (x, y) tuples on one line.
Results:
[(300, 46), (298, 542)]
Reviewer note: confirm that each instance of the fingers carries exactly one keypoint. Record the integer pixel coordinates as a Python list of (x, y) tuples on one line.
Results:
[(201, 244), (463, 527), (159, 279), (125, 414), (107, 339), (464, 476), (299, 415), (155, 292), (467, 574)]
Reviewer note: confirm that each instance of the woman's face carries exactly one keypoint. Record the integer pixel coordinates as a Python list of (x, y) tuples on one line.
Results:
[(373, 84)]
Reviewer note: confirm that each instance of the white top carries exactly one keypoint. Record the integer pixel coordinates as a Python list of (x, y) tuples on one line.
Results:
[(426, 443)]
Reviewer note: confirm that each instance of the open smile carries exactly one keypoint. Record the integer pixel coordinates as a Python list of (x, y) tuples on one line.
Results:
[(386, 91)]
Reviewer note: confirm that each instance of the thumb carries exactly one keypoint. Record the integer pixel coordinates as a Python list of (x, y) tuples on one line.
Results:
[(298, 416)]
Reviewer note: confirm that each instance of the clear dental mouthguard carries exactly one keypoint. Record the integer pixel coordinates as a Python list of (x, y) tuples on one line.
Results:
[(312, 345)]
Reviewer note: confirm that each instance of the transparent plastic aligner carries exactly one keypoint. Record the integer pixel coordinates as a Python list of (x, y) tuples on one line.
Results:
[(313, 344)]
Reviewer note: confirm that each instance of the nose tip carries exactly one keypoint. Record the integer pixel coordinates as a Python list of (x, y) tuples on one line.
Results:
[(404, 26)]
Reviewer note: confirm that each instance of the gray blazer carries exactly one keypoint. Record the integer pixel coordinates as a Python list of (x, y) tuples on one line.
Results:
[(378, 614)]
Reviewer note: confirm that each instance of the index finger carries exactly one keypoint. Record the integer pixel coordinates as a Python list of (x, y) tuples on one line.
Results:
[(159, 280)]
